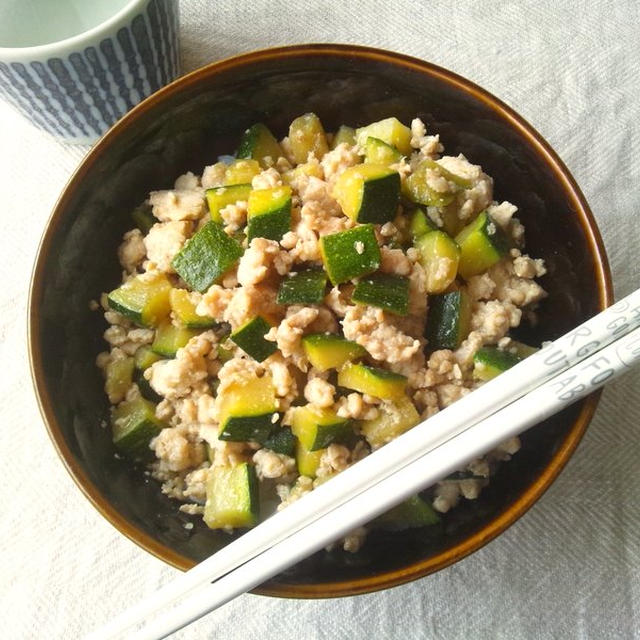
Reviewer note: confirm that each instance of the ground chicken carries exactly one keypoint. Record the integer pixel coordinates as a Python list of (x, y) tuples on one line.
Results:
[(319, 393), (261, 257), (132, 251), (275, 466), (369, 327), (176, 205), (163, 242)]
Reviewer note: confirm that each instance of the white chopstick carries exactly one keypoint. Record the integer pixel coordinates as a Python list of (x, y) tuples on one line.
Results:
[(549, 398), (566, 351)]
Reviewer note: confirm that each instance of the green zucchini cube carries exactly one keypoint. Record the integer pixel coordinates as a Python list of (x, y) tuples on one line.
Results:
[(143, 217), (144, 357), (350, 254), (118, 378), (250, 338), (248, 410), (281, 441), (269, 213), (344, 134), (420, 223), (368, 193), (304, 287), (134, 424), (241, 172), (383, 290), (169, 339), (410, 514), (416, 189), (373, 381), (206, 257), (328, 351), (232, 497), (489, 362), (306, 135), (219, 197), (307, 461), (439, 256), (378, 152), (184, 311), (259, 143), (389, 130), (393, 419), (482, 244), (448, 320), (317, 428), (143, 299)]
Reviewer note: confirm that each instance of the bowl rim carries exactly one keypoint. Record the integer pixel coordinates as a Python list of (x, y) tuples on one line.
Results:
[(389, 578)]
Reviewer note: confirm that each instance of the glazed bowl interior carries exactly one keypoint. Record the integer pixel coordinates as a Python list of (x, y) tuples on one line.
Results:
[(185, 127)]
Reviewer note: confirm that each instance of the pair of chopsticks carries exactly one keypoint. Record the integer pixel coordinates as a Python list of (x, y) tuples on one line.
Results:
[(561, 373)]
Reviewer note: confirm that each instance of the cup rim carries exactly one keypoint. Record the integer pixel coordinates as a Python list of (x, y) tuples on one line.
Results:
[(389, 578), (75, 41)]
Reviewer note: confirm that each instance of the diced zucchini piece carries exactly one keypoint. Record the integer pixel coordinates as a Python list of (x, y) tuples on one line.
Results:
[(219, 197), (415, 188), (521, 349), (144, 357), (317, 428), (143, 218), (118, 378), (482, 244), (184, 311), (134, 424), (281, 441), (248, 409), (350, 254), (259, 143), (373, 381), (146, 390), (269, 213), (169, 339), (327, 351), (410, 514), (384, 290), (311, 169), (488, 362), (448, 320), (378, 152), (393, 419), (389, 130), (143, 299), (232, 497), (241, 172), (420, 223), (250, 338), (306, 135), (206, 257), (344, 134), (225, 351), (368, 193), (439, 256), (303, 287), (459, 181), (307, 461)]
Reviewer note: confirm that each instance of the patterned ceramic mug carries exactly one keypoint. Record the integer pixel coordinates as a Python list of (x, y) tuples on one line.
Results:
[(73, 67)]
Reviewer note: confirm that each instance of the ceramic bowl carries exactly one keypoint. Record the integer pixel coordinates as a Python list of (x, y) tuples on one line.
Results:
[(184, 127)]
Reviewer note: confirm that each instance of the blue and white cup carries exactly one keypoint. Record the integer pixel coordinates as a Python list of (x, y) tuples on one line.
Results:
[(74, 67)]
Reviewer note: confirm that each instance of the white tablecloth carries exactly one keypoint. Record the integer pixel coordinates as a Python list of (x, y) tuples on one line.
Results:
[(570, 568)]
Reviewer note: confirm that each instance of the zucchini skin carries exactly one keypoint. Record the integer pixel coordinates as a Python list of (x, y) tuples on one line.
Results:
[(350, 254), (305, 287), (250, 338), (448, 320), (206, 257), (384, 290)]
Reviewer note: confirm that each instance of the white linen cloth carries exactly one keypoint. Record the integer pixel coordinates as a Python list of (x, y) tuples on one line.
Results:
[(570, 568)]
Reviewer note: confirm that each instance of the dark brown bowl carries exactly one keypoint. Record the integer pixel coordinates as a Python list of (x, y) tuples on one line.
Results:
[(184, 127)]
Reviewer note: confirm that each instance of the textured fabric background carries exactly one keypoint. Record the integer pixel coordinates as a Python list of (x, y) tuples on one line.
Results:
[(570, 568)]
